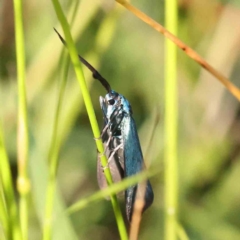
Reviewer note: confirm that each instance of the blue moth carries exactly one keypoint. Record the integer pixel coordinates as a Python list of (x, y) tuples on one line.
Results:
[(123, 149), (121, 142)]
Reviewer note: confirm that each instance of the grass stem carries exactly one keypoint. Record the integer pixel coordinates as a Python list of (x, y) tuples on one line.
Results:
[(9, 207), (23, 184), (171, 124), (88, 103), (189, 51), (55, 144)]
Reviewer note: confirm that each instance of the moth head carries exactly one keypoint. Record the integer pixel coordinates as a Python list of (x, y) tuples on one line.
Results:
[(114, 103)]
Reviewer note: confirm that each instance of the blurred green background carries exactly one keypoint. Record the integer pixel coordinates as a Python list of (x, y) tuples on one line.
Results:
[(130, 54)]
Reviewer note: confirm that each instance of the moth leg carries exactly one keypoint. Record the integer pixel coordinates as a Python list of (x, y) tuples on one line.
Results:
[(114, 151), (103, 132), (108, 142), (106, 147), (105, 129), (98, 138), (111, 156)]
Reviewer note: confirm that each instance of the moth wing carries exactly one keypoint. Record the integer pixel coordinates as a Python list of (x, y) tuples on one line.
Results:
[(133, 164), (115, 164)]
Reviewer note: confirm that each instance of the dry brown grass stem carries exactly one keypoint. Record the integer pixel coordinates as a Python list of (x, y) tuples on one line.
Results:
[(190, 52)]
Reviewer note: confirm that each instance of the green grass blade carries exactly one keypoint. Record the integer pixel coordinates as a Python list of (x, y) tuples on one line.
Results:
[(62, 228), (182, 235), (90, 111), (4, 217), (53, 155), (8, 191), (22, 141), (55, 147), (171, 124), (113, 189)]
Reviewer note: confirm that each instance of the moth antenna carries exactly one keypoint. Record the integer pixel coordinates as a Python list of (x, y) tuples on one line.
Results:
[(95, 73)]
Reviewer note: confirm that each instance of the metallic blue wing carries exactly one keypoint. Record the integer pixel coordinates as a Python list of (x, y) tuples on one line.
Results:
[(133, 164)]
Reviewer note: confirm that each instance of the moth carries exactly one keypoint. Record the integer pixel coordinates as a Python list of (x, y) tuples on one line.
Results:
[(121, 142), (123, 150)]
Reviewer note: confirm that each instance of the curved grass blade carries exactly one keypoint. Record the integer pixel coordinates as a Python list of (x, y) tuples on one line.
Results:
[(90, 111)]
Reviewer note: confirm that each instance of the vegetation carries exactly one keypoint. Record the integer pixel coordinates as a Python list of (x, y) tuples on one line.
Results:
[(52, 168)]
